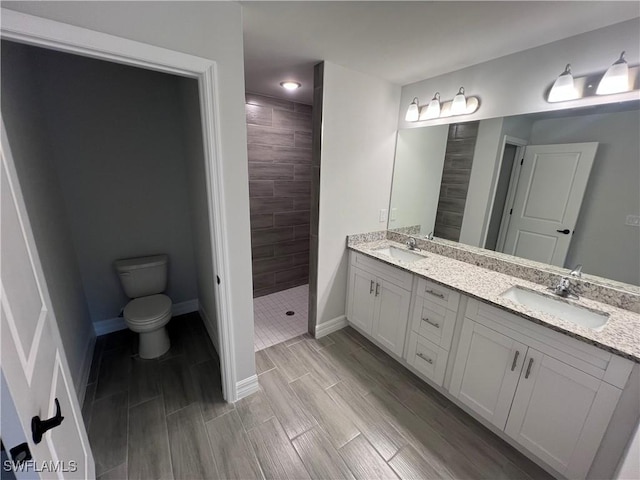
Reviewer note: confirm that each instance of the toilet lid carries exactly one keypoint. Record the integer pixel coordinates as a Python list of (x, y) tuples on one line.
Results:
[(147, 309)]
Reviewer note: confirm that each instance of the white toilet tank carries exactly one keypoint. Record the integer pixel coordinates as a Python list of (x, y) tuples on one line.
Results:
[(143, 276)]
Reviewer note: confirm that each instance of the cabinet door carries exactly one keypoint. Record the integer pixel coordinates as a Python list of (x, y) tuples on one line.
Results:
[(560, 413), (486, 371), (361, 299), (391, 315)]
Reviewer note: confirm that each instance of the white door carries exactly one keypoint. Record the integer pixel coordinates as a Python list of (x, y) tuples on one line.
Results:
[(486, 371), (549, 193), (560, 413), (33, 362), (361, 299), (390, 315)]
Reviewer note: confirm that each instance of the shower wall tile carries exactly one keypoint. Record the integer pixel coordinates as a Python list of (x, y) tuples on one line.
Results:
[(279, 154)]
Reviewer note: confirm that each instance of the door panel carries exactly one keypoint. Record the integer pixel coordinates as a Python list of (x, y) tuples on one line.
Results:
[(550, 411), (32, 358), (488, 377), (548, 197), (391, 315), (361, 299)]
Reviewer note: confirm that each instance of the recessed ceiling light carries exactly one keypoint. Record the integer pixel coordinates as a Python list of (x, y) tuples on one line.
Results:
[(290, 85)]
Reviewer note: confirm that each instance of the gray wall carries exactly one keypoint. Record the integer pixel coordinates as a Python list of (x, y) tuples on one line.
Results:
[(31, 146), (279, 151), (117, 144), (602, 242)]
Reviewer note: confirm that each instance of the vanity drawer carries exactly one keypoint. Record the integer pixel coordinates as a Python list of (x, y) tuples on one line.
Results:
[(438, 294), (427, 358), (434, 322)]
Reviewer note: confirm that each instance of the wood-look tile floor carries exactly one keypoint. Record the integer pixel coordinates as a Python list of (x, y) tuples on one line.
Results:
[(332, 408)]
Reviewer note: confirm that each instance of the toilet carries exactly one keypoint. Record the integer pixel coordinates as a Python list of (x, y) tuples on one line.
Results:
[(143, 280)]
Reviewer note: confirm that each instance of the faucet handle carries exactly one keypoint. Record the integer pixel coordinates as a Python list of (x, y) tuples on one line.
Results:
[(577, 271)]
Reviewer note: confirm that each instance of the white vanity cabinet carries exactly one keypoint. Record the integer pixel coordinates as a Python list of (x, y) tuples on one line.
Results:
[(378, 300), (552, 394)]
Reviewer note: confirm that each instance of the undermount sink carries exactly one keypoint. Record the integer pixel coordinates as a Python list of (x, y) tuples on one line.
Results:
[(399, 254), (557, 307)]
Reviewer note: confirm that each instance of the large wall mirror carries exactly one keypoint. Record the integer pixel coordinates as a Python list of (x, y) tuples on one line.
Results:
[(561, 188)]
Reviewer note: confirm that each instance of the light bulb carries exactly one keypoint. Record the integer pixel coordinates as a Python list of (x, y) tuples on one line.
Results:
[(413, 112)]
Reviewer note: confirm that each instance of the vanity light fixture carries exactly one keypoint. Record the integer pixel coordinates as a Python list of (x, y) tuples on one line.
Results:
[(433, 109), (459, 103), (413, 112), (290, 85), (615, 79), (563, 88)]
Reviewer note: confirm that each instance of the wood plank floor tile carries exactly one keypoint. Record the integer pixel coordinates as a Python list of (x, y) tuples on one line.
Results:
[(177, 384), (364, 462), (191, 455), (281, 356), (409, 465), (318, 343), (108, 431), (113, 375), (87, 404), (293, 340), (376, 428), (434, 448), (275, 453), (330, 416), (263, 362), (208, 390), (383, 374), (344, 341), (117, 473), (148, 452), (144, 382), (347, 368), (315, 364), (254, 410), (232, 451), (285, 404), (320, 457)]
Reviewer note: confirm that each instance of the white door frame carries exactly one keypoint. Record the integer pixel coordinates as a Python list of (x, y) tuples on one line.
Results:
[(58, 36)]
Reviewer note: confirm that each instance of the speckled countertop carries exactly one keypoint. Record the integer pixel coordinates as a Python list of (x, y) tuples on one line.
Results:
[(620, 335)]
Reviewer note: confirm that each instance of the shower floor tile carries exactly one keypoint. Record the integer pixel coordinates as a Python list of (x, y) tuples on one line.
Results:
[(272, 324)]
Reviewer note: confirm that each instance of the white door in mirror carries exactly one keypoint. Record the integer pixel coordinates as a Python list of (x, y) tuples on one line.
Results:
[(547, 201)]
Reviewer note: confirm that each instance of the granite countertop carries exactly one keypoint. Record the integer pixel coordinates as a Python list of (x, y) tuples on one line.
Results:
[(620, 335)]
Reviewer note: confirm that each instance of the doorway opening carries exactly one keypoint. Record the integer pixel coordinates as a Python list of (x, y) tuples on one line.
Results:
[(280, 158)]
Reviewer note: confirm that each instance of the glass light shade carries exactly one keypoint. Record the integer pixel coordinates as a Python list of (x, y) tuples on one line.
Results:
[(563, 88), (413, 112), (615, 79), (289, 85), (459, 103), (433, 109)]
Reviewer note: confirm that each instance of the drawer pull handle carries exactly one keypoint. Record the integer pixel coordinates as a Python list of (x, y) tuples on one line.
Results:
[(526, 375), (515, 360), (435, 324), (435, 294), (371, 287), (424, 357), (377, 289)]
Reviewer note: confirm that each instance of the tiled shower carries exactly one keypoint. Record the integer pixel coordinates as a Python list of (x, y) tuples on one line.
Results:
[(279, 152)]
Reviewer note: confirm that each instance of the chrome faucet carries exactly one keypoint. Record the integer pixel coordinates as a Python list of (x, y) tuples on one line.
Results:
[(429, 236), (412, 244), (563, 287)]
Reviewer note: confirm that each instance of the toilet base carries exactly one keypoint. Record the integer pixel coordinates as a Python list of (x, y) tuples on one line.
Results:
[(154, 344)]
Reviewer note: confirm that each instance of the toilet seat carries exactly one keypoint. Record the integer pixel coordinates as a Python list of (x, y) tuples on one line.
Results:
[(144, 311)]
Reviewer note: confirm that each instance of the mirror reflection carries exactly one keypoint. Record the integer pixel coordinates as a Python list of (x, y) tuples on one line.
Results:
[(561, 188)]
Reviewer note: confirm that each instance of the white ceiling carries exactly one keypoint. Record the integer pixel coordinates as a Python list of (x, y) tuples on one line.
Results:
[(404, 42)]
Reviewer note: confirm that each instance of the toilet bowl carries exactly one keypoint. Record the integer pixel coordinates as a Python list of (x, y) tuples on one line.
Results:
[(143, 280)]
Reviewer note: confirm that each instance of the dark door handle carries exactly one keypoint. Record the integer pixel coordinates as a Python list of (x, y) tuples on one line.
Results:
[(566, 231), (38, 427)]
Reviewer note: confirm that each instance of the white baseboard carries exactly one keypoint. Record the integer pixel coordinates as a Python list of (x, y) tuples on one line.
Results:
[(246, 387), (81, 387), (331, 326), (110, 325)]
